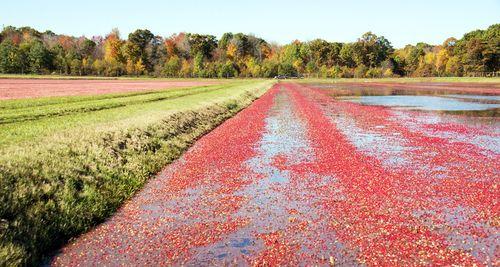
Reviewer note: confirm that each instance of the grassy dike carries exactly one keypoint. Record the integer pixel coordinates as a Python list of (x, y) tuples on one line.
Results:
[(66, 164)]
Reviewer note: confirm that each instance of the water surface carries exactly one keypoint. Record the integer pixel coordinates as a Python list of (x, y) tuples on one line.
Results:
[(435, 103), (435, 100)]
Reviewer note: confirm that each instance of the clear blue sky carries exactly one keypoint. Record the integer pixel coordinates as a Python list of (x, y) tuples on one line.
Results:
[(282, 21)]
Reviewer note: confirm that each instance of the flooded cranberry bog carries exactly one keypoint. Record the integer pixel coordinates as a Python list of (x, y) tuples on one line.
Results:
[(322, 174), (33, 88)]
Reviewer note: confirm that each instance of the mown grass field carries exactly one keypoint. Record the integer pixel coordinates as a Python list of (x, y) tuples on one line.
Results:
[(67, 163)]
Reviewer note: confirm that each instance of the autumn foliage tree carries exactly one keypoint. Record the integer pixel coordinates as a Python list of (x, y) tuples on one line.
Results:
[(26, 50)]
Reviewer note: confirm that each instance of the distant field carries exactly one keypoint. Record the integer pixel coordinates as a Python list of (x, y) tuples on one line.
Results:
[(458, 87), (67, 163), (58, 77), (33, 88), (407, 80), (90, 77)]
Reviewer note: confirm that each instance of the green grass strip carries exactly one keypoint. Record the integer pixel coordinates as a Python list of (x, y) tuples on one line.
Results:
[(64, 183)]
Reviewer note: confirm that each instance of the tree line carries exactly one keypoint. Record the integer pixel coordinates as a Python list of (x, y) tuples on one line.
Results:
[(25, 50)]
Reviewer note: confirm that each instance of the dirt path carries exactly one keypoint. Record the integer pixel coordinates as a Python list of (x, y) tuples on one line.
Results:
[(300, 178)]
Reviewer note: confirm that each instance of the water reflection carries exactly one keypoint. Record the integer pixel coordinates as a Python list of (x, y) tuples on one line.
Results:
[(438, 103), (436, 100), (415, 89)]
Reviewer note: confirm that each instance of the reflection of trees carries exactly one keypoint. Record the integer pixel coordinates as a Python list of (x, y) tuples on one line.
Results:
[(492, 113), (389, 89)]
